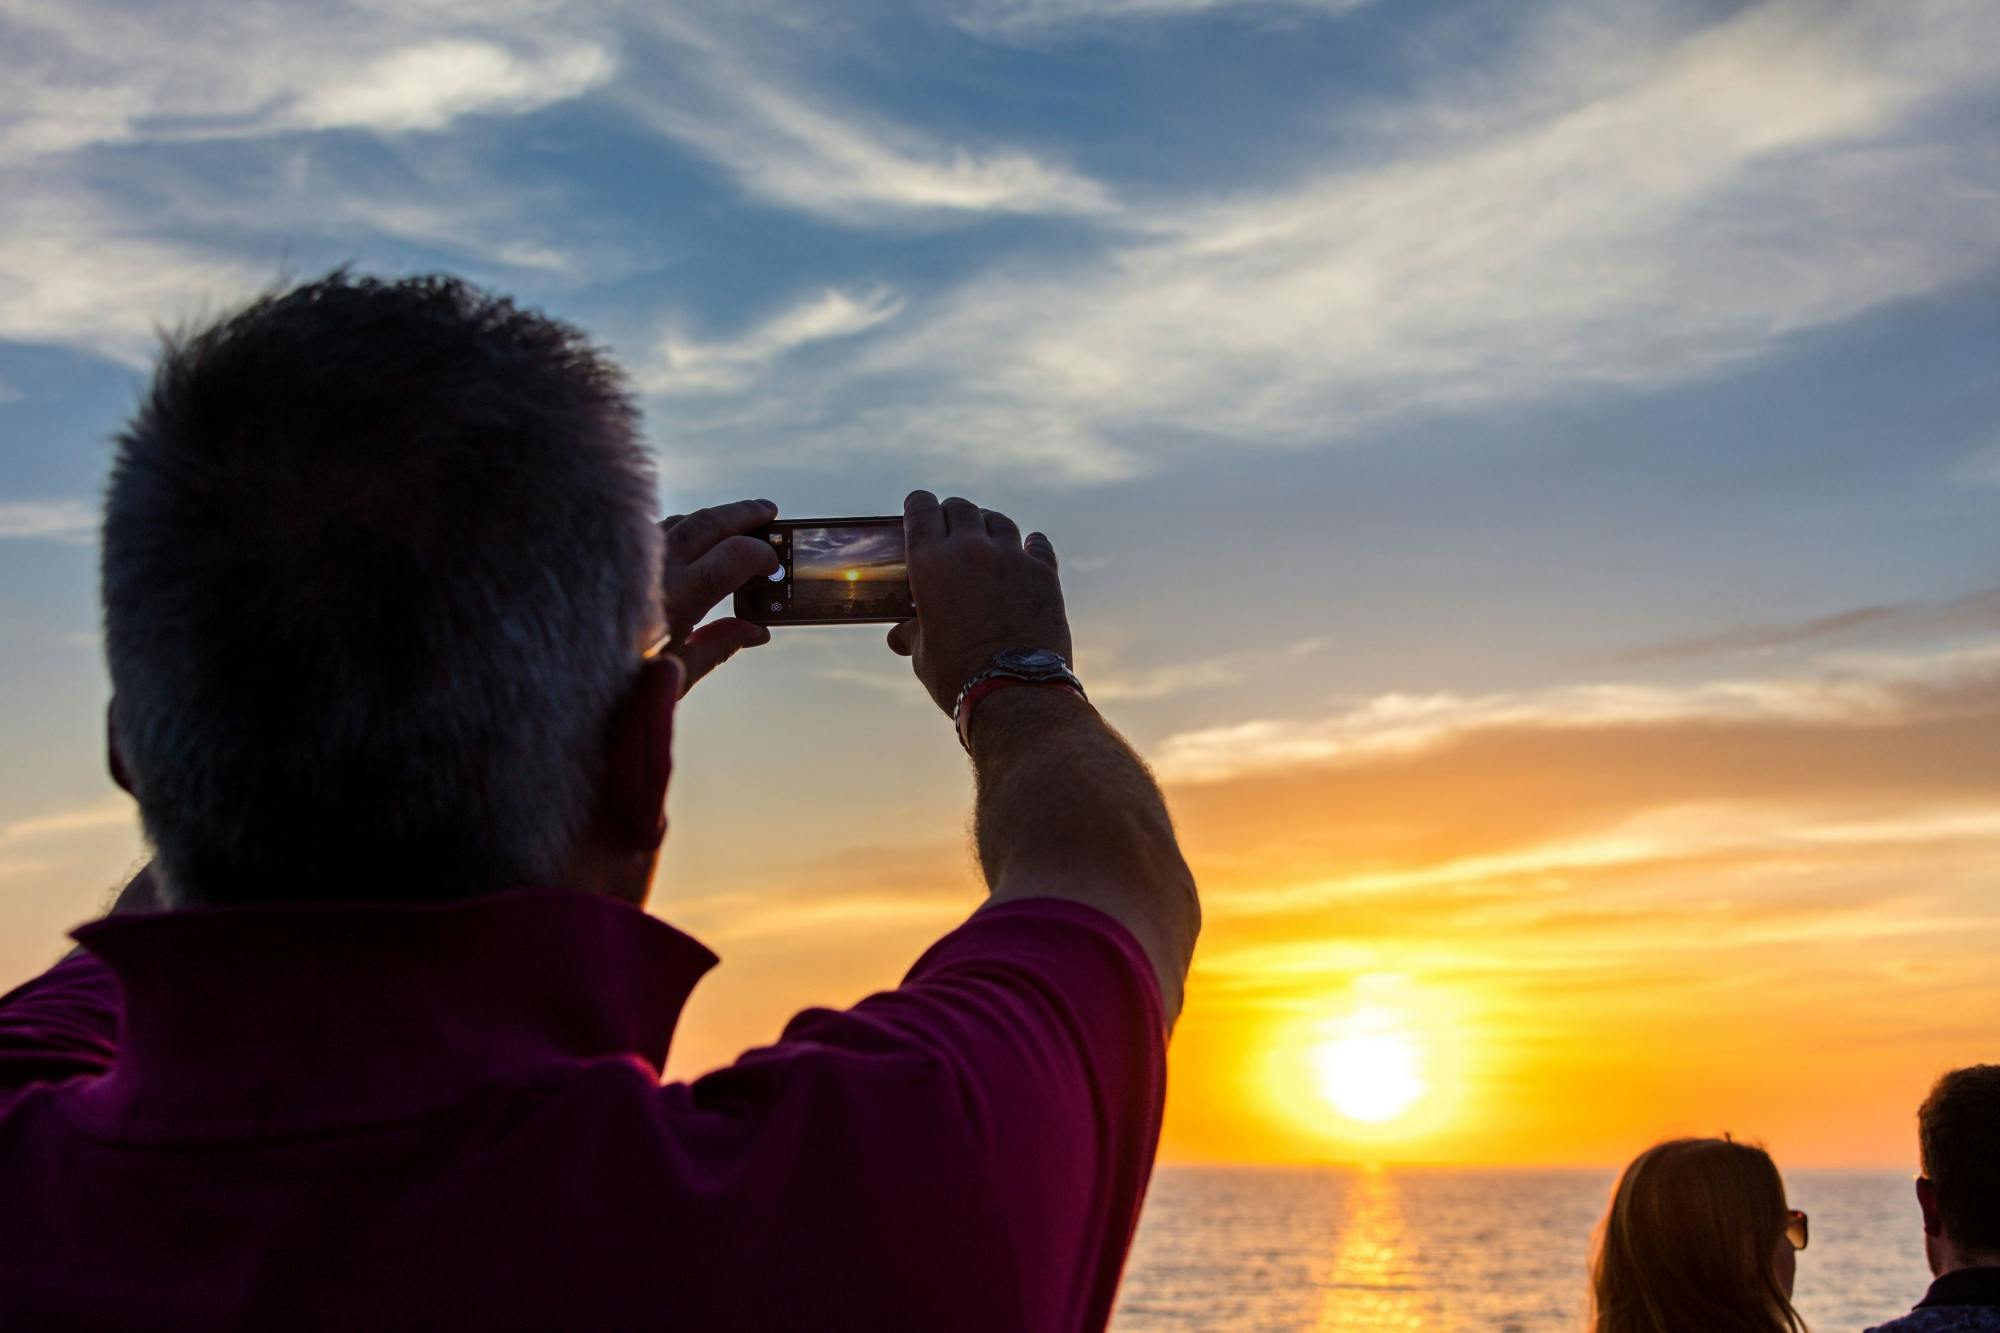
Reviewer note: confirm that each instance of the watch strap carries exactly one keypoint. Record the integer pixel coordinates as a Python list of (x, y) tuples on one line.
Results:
[(986, 684)]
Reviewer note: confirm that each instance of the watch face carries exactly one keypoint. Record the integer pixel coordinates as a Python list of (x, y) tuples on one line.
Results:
[(1031, 659)]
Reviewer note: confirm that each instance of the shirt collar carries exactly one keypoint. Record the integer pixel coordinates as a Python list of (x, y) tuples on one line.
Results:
[(1964, 1286), (306, 1015)]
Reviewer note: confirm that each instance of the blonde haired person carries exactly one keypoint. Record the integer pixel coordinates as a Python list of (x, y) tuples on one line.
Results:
[(1698, 1236)]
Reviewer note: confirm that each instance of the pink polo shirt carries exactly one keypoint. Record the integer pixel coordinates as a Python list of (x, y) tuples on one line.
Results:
[(344, 1116)]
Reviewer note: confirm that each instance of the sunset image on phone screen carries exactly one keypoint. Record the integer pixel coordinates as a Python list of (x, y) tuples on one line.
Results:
[(857, 572)]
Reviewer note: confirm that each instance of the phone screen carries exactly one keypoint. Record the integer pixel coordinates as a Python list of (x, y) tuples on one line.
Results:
[(834, 571)]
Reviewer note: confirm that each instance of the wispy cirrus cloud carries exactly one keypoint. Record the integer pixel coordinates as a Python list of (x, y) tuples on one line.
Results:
[(1630, 197), (1123, 683), (63, 520), (683, 364), (86, 265), (84, 273), (1651, 205), (1974, 612), (104, 73), (36, 843), (81, 276), (429, 84), (1851, 692), (112, 812), (1746, 185), (1550, 831), (807, 158), (58, 867), (1015, 15), (813, 152)]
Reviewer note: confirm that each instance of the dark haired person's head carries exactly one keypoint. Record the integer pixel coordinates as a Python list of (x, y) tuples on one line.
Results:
[(379, 564), (1958, 1134), (1698, 1236)]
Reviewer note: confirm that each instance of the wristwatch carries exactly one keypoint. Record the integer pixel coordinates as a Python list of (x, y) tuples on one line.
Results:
[(1012, 666)]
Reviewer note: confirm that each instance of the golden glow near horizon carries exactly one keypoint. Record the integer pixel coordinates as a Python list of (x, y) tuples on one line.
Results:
[(853, 576), (1590, 923)]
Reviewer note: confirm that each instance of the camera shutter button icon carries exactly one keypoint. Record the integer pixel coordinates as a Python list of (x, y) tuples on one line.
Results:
[(777, 575)]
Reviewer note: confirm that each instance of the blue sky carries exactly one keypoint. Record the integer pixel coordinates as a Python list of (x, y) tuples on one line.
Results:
[(1384, 371)]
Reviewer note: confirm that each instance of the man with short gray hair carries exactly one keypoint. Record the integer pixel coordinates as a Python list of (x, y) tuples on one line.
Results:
[(396, 649)]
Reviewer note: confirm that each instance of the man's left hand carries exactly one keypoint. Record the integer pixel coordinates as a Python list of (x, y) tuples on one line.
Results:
[(709, 556)]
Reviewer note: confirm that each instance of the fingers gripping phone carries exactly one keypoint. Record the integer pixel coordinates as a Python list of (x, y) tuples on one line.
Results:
[(832, 571)]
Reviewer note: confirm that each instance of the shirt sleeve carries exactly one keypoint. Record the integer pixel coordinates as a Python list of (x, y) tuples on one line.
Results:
[(62, 1024), (1047, 1016)]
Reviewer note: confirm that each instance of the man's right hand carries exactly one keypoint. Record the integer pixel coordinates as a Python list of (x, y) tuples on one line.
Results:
[(979, 589), (709, 555)]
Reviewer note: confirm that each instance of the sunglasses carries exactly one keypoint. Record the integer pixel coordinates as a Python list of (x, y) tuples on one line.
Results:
[(1796, 1230)]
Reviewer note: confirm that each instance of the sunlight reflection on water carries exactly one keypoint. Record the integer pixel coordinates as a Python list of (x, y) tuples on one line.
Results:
[(1506, 1251), (1369, 1285)]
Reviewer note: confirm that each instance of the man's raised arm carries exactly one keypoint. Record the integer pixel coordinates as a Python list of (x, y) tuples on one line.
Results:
[(1065, 809)]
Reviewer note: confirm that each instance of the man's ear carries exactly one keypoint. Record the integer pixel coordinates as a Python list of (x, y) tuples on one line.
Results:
[(113, 758), (639, 759), (1927, 1200)]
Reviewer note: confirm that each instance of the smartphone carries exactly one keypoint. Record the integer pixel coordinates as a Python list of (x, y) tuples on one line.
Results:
[(832, 571)]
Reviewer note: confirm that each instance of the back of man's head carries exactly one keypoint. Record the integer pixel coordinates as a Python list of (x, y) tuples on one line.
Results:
[(1958, 1133), (379, 561)]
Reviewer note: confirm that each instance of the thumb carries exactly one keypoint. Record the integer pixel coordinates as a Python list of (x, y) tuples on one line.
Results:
[(715, 643)]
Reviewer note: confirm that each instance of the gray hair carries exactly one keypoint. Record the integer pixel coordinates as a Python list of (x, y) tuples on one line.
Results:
[(379, 562)]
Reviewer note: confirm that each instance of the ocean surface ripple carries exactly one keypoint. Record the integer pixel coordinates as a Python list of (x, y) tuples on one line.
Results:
[(1371, 1250)]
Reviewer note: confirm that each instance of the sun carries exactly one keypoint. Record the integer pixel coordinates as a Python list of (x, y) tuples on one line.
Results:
[(1369, 1076), (1380, 1066), (853, 575)]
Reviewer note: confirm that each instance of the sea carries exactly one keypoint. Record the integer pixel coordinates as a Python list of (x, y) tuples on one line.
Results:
[(1377, 1249)]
